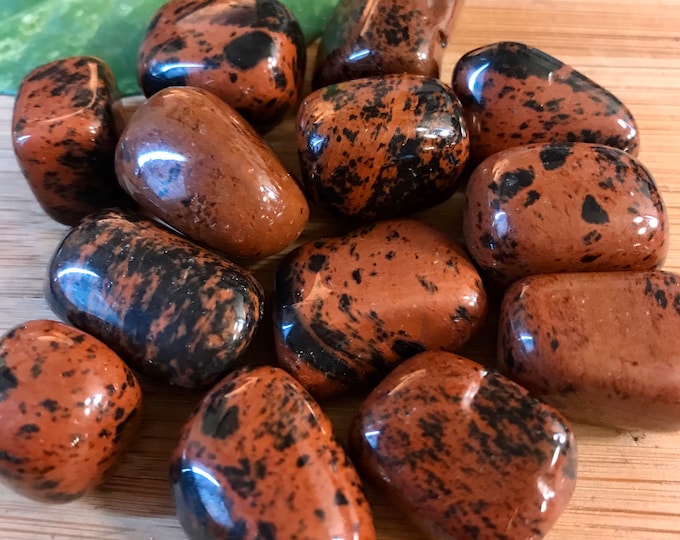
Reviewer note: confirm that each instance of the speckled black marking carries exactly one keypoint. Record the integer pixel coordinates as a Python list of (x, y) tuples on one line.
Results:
[(554, 157), (8, 380), (406, 349), (512, 183), (49, 404), (590, 257), (219, 422), (316, 263), (554, 344), (243, 477), (248, 50), (429, 286), (462, 314), (532, 197), (592, 212), (356, 276), (266, 530), (517, 61), (302, 461), (340, 499), (27, 429)]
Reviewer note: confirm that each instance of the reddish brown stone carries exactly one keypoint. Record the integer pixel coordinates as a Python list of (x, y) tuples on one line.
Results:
[(69, 407), (601, 347)]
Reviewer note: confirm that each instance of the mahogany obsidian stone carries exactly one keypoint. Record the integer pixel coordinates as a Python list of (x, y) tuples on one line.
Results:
[(69, 407), (514, 94), (546, 208), (250, 53), (363, 39), (349, 308), (258, 459), (602, 347), (382, 147), (171, 309), (465, 452), (65, 137)]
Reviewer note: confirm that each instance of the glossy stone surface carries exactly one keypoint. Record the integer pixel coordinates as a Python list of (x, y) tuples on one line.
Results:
[(465, 452), (250, 53), (69, 408), (364, 39), (191, 160), (514, 94), (563, 208), (259, 460), (601, 347), (64, 137), (349, 308), (171, 309), (382, 147)]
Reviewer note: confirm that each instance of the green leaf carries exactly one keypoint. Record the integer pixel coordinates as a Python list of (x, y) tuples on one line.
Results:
[(34, 32)]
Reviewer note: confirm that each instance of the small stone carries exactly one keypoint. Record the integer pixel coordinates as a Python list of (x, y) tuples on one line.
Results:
[(258, 459), (365, 39), (69, 407), (382, 147), (546, 208), (349, 308), (514, 94), (601, 347), (65, 137), (173, 310), (209, 175), (250, 53), (465, 452)]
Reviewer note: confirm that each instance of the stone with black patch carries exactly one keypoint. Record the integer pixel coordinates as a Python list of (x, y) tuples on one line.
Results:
[(416, 133), (349, 308), (545, 208), (64, 137), (152, 296), (250, 53), (259, 476), (55, 443), (600, 323), (366, 39), (464, 451), (541, 100)]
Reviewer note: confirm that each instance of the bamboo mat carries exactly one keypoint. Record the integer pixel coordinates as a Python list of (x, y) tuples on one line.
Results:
[(629, 483)]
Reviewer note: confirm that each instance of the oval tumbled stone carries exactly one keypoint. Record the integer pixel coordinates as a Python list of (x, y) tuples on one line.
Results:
[(258, 459), (382, 147), (563, 208), (192, 161), (69, 408), (250, 53), (465, 452), (364, 39), (601, 347), (171, 309), (514, 94), (349, 308)]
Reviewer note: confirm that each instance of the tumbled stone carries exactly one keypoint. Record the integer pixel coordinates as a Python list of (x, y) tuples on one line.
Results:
[(601, 347), (69, 407), (65, 137), (382, 147), (364, 39), (514, 94), (173, 310), (349, 308), (258, 460), (250, 53), (192, 161), (577, 207), (465, 452)]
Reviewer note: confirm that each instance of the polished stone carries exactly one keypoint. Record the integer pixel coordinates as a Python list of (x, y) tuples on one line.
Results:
[(514, 94), (349, 308), (192, 161), (173, 310), (65, 137), (69, 408), (578, 207), (382, 147), (258, 459), (380, 37), (250, 53), (465, 452), (601, 347)]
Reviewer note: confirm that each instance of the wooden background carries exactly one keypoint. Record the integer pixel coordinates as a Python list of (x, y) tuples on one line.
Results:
[(629, 483)]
